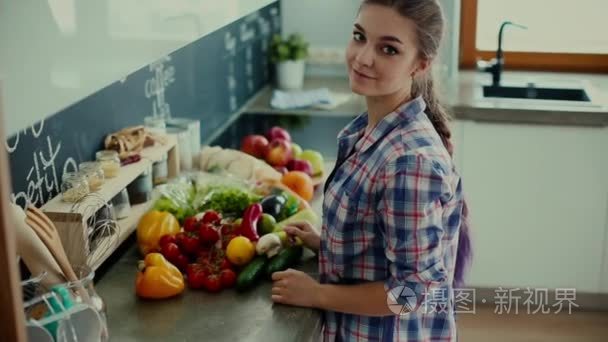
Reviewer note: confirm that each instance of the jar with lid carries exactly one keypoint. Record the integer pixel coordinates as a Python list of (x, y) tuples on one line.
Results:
[(74, 186), (109, 161), (160, 171), (140, 189), (94, 173)]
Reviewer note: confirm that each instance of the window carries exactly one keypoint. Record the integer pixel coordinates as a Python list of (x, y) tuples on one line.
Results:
[(561, 35)]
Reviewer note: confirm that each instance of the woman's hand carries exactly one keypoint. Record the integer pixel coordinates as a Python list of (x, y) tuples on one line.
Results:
[(306, 232), (297, 288)]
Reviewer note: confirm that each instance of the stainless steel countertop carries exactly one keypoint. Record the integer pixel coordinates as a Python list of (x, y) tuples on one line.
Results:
[(197, 315)]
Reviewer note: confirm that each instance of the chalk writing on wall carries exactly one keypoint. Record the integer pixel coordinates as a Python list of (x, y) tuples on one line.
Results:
[(42, 178), (155, 87)]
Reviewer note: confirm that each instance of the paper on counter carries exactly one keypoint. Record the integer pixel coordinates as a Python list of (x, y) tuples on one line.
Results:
[(320, 98)]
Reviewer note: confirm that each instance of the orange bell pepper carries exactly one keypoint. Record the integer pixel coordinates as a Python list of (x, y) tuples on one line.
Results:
[(152, 226), (158, 278)]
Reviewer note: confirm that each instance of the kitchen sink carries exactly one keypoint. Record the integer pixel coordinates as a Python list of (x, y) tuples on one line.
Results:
[(533, 92)]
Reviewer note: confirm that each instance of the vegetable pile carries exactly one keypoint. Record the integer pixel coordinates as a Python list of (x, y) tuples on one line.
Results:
[(216, 234)]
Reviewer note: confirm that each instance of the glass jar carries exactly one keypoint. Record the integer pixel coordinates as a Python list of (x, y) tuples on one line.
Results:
[(155, 124), (84, 292), (160, 171), (94, 173), (74, 186), (110, 163), (122, 208), (140, 189)]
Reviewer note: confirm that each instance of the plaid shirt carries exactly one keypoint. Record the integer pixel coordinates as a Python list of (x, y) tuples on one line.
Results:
[(391, 212)]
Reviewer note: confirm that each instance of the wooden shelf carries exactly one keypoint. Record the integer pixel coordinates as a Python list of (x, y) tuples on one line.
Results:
[(71, 221), (126, 226), (112, 186)]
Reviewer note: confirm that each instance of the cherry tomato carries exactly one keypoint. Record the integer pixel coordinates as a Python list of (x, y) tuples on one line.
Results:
[(179, 239), (225, 264), (165, 239), (196, 276), (170, 251), (190, 224), (211, 216), (227, 278), (212, 283), (181, 262), (191, 244), (208, 234)]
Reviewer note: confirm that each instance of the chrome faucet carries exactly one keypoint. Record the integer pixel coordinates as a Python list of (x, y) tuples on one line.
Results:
[(495, 66)]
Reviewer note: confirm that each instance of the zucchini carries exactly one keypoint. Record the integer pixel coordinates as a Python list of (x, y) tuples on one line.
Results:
[(285, 259), (251, 273)]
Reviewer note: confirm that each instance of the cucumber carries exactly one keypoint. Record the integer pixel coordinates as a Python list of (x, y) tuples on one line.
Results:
[(251, 273), (285, 259)]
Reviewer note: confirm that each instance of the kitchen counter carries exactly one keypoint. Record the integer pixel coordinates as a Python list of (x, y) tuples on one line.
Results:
[(229, 315), (197, 315), (467, 103)]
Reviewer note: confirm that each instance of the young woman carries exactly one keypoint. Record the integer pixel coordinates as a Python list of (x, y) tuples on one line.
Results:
[(394, 216)]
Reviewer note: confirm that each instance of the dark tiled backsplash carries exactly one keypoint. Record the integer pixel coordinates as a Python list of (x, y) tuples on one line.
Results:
[(208, 80)]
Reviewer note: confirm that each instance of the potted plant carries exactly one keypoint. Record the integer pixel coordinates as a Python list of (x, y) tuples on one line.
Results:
[(289, 56)]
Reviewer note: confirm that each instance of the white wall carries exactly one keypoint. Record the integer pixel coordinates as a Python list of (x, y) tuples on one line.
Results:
[(323, 23), (56, 52)]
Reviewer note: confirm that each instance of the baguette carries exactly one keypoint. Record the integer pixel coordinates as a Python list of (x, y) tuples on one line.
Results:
[(237, 163)]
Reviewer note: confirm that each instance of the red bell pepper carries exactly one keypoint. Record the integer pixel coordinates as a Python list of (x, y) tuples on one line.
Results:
[(250, 220)]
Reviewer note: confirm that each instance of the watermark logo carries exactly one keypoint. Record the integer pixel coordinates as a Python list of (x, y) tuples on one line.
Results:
[(401, 300), (531, 301)]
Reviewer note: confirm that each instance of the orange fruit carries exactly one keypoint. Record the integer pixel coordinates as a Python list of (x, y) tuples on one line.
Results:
[(300, 183), (240, 251)]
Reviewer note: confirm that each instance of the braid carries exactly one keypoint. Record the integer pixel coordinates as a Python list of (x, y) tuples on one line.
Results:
[(435, 111), (439, 117)]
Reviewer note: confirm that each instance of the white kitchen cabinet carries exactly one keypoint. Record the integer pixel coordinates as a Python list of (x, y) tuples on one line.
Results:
[(538, 197), (457, 129), (604, 280)]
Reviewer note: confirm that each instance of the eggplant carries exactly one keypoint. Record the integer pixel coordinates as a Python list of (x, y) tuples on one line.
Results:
[(273, 205)]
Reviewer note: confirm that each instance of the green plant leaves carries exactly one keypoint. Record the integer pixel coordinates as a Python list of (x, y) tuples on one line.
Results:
[(292, 48)]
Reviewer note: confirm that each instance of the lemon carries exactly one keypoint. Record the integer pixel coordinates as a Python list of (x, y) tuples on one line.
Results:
[(240, 251)]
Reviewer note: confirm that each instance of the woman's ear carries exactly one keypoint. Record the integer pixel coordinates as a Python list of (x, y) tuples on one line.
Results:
[(422, 67)]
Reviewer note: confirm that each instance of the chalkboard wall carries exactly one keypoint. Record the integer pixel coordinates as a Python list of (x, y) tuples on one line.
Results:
[(209, 79)]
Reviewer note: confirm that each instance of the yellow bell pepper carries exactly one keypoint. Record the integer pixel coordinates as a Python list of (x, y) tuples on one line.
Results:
[(152, 226), (158, 278)]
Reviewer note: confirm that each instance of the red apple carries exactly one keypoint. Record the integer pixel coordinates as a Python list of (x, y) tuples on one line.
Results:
[(255, 145), (279, 152), (300, 165), (277, 132)]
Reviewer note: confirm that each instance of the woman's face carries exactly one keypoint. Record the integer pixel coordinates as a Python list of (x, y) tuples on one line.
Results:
[(382, 54)]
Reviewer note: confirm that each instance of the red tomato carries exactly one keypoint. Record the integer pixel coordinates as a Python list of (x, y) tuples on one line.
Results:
[(225, 264), (170, 251), (196, 276), (227, 278), (165, 239), (208, 234), (212, 283), (191, 244), (211, 216), (190, 224), (179, 239), (181, 262)]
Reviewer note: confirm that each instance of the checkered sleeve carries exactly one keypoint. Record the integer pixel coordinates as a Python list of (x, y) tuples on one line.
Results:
[(411, 211)]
